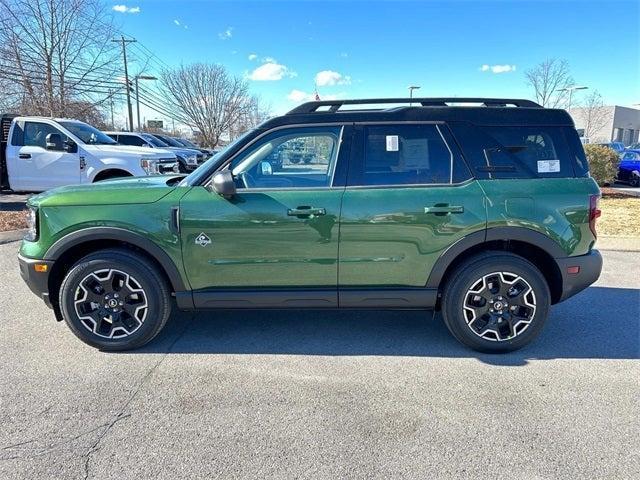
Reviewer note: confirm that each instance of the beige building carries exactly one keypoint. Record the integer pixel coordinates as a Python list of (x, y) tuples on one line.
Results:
[(617, 124)]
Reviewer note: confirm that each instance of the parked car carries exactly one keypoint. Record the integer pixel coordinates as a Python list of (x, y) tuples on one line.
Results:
[(629, 168), (40, 153), (208, 152), (618, 147), (188, 158), (486, 212)]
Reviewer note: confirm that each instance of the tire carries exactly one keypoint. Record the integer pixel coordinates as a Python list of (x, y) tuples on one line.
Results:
[(501, 320), (137, 301), (634, 179)]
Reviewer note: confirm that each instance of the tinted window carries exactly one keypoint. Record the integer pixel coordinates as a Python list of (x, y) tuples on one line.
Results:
[(296, 157), (532, 151), (88, 134), (403, 155), (156, 142), (132, 140), (35, 133)]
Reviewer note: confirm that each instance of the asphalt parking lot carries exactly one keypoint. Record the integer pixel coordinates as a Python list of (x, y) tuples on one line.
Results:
[(324, 394)]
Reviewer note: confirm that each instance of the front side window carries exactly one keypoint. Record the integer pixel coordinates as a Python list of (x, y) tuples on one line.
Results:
[(131, 140), (293, 157), (88, 134), (35, 134)]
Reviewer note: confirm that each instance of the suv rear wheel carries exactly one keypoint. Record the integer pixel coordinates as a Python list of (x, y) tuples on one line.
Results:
[(115, 300), (496, 302)]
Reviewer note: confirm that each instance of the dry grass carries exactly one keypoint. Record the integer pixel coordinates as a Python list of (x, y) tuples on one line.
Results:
[(620, 216), (13, 220)]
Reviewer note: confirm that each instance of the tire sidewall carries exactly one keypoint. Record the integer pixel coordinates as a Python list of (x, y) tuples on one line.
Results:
[(470, 273), (156, 298)]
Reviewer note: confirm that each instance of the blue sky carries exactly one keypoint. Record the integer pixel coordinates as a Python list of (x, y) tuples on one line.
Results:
[(377, 49)]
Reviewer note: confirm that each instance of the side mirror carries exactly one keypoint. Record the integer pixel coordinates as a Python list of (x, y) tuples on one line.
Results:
[(70, 146), (223, 184), (53, 141)]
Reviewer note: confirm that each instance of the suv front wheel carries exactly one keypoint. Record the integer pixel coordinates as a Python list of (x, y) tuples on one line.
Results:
[(495, 302), (115, 300)]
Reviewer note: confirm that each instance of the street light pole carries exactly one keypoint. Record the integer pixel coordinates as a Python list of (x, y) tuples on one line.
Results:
[(571, 89), (140, 77), (411, 89)]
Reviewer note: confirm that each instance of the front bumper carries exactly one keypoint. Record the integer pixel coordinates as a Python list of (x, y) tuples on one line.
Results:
[(38, 282), (589, 267)]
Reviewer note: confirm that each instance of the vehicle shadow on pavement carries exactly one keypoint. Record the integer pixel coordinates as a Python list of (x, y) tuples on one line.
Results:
[(599, 323)]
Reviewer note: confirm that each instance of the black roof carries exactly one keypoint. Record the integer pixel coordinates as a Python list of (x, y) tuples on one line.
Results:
[(480, 111)]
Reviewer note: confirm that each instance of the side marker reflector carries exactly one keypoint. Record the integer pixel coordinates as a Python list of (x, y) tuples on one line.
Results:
[(41, 267), (573, 270)]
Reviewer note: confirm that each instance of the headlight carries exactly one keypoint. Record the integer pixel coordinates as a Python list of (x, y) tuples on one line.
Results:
[(149, 166), (32, 222), (192, 160)]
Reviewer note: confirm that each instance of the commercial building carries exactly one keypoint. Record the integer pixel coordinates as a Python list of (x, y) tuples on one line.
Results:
[(608, 124)]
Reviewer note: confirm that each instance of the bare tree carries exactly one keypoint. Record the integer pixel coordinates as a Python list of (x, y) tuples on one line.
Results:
[(548, 79), (255, 114), (207, 98), (57, 53), (594, 114)]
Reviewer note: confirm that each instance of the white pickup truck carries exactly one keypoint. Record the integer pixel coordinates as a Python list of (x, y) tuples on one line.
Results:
[(39, 153)]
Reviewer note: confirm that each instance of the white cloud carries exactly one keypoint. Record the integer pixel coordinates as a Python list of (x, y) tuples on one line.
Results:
[(227, 34), (300, 96), (125, 9), (252, 57), (328, 77), (271, 71), (269, 60), (344, 55), (498, 68), (176, 22)]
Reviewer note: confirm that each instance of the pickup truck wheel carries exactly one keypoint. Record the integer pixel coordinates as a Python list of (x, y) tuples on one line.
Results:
[(115, 300), (496, 302)]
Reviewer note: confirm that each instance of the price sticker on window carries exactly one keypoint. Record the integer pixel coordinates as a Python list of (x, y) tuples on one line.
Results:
[(392, 143), (548, 166)]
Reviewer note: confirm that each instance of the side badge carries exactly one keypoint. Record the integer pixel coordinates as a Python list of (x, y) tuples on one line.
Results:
[(203, 240)]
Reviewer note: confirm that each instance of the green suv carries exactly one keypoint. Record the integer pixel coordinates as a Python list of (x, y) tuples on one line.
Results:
[(480, 208)]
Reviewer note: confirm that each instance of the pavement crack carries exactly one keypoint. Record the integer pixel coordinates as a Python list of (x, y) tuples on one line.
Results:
[(121, 415)]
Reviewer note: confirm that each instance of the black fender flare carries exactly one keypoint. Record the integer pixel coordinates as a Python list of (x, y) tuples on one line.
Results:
[(77, 237), (522, 234)]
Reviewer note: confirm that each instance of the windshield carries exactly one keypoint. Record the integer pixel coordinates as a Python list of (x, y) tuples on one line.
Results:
[(156, 142), (88, 134), (187, 143), (216, 160), (170, 141)]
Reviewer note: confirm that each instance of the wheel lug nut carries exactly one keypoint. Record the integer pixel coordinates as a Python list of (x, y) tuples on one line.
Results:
[(121, 303)]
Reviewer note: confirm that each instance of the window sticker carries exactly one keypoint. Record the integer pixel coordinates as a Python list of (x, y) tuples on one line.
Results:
[(415, 154), (548, 166), (392, 143)]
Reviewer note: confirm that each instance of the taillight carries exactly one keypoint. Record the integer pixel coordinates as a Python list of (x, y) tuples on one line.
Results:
[(594, 212)]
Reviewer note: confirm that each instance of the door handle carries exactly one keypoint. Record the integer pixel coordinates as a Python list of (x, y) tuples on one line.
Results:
[(24, 156), (444, 209), (305, 212)]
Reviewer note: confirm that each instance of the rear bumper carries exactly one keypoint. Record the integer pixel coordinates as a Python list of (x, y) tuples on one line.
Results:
[(38, 282), (589, 265)]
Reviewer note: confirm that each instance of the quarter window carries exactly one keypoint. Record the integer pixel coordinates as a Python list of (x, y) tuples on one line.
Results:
[(296, 157), (131, 140)]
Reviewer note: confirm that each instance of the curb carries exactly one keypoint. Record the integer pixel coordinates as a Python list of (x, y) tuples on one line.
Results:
[(621, 244), (12, 236)]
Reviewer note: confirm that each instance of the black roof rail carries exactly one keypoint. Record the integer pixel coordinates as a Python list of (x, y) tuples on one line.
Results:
[(334, 105)]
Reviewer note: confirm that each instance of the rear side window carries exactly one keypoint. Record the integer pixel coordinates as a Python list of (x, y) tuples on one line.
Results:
[(405, 154)]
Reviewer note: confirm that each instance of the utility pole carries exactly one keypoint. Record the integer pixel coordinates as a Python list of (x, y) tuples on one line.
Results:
[(124, 42)]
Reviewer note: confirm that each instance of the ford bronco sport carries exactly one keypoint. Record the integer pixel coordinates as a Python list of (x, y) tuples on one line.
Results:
[(480, 208)]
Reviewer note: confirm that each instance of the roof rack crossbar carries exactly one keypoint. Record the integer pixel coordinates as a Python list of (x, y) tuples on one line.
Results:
[(334, 105)]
